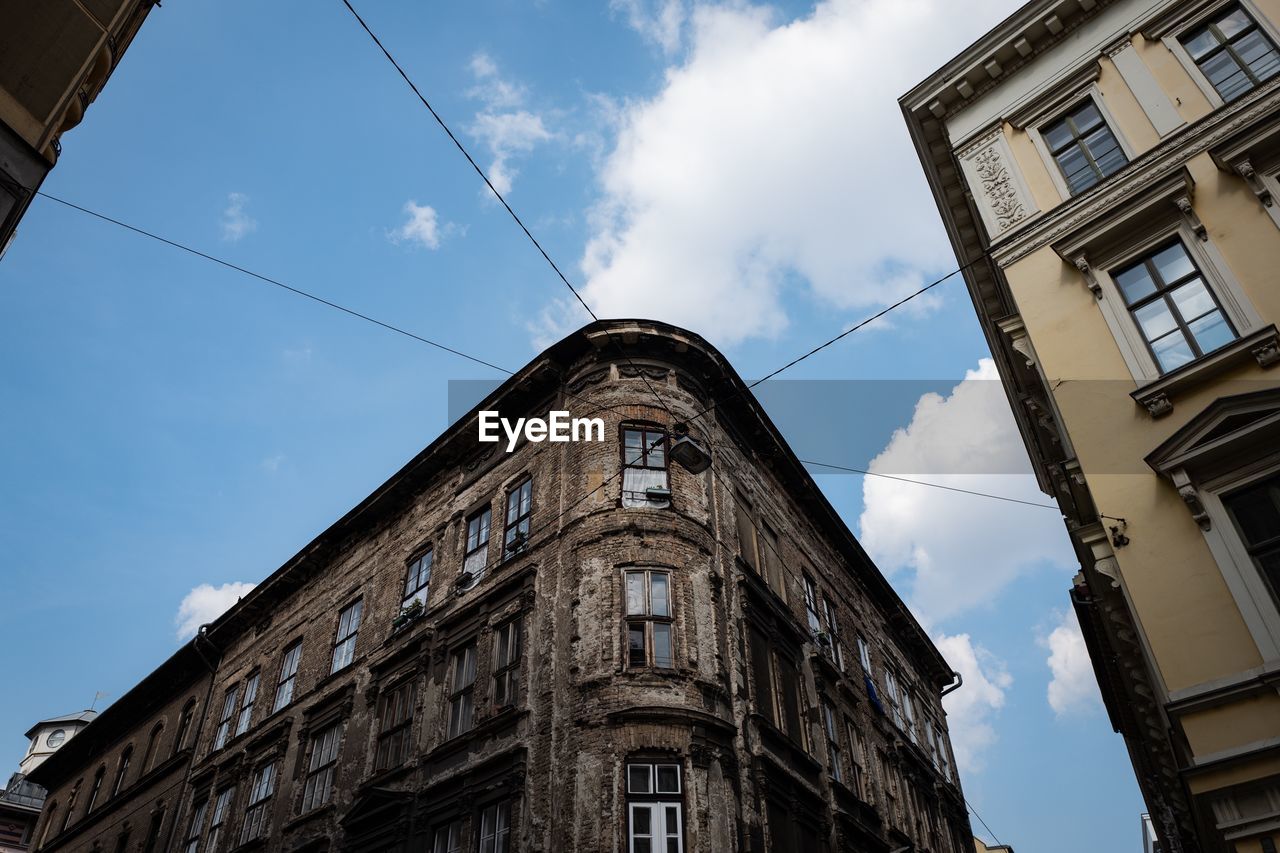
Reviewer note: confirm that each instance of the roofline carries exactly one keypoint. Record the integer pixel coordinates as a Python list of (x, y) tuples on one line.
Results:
[(65, 718), (189, 661)]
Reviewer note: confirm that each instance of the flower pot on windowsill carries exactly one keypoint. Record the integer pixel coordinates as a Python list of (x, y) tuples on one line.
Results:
[(407, 614)]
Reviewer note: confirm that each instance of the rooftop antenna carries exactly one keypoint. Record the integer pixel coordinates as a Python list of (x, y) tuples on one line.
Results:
[(97, 694)]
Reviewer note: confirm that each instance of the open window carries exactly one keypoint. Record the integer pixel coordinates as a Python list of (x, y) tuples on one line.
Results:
[(644, 467)]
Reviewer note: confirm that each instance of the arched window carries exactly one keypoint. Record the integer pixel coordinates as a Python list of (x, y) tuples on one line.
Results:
[(122, 771), (94, 791), (184, 726), (153, 747), (71, 805), (52, 814)]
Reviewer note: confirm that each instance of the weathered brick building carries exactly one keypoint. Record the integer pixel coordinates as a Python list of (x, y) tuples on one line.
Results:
[(579, 646)]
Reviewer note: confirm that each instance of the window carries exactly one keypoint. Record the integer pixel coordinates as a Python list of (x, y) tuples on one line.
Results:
[(648, 595), (153, 747), (832, 629), (857, 761), (192, 842), (395, 726), (415, 585), (909, 713), (448, 838), (515, 535), (759, 547), (221, 809), (462, 684), (223, 732), (1174, 308), (184, 725), (126, 758), (644, 466), (864, 654), (835, 754), (246, 704), (71, 805), (787, 695), (811, 607), (153, 831), (256, 813), (506, 664), (477, 544), (1232, 53), (288, 675), (762, 675), (1256, 513), (495, 829), (324, 758), (52, 811), (1084, 148), (654, 822), (894, 694), (93, 791), (344, 644)]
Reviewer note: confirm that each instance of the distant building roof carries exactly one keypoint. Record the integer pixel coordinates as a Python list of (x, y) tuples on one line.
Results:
[(20, 792), (78, 717)]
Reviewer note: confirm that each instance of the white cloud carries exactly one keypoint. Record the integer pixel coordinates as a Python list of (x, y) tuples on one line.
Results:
[(774, 156), (971, 709), (959, 551), (272, 463), (1073, 689), (660, 22), (235, 222), (421, 226), (206, 603), (504, 125)]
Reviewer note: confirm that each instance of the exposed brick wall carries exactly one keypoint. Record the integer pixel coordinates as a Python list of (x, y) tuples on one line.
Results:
[(558, 757)]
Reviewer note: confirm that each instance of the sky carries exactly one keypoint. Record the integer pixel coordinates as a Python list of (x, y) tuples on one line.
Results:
[(173, 431)]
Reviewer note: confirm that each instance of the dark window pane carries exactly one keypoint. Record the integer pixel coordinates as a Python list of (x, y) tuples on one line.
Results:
[(641, 821), (638, 778), (1057, 135), (668, 779), (1087, 118), (1257, 511), (635, 644)]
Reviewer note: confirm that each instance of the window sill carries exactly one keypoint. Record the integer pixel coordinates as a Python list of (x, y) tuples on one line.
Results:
[(307, 817), (1263, 345)]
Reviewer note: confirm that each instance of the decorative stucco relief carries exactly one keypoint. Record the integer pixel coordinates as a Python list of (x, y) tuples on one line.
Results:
[(1000, 194)]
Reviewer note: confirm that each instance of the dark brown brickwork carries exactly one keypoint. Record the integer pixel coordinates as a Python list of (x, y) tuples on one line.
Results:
[(723, 729)]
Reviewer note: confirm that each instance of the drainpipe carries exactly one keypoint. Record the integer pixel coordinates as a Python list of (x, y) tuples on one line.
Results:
[(954, 686), (208, 697)]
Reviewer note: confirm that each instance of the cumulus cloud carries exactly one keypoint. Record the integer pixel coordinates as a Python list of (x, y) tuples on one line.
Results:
[(235, 221), (959, 552), (206, 603), (504, 124), (972, 709), (659, 22), (774, 156), (421, 227), (1073, 688)]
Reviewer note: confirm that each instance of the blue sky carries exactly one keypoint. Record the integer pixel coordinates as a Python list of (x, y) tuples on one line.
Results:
[(741, 170)]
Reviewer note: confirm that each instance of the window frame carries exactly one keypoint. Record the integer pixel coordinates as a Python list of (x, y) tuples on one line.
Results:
[(1037, 131), (195, 826), (835, 751), (647, 621), (831, 624), (655, 802), (343, 652), (290, 660), (447, 837), (219, 817), (262, 788), (244, 717), (397, 706), (505, 663), (122, 768), (522, 492), (462, 694), (648, 448), (1174, 42), (222, 734), (322, 764), (475, 558), (500, 837), (414, 570)]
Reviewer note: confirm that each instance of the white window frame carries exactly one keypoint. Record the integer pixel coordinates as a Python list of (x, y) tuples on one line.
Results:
[(1173, 41), (1035, 132)]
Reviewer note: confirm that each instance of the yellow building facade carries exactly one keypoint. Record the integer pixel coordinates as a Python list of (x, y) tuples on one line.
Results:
[(55, 57), (1107, 172)]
